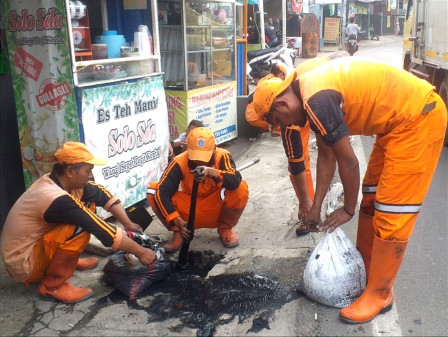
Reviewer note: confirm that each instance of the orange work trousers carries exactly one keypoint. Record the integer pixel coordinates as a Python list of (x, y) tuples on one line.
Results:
[(400, 171), (305, 137), (61, 237), (208, 207)]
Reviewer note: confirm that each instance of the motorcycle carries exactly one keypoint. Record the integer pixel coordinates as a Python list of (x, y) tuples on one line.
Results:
[(352, 44), (260, 62)]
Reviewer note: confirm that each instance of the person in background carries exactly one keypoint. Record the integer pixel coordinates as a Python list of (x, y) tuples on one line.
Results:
[(270, 34), (179, 145), (222, 194), (355, 96), (352, 29), (49, 226)]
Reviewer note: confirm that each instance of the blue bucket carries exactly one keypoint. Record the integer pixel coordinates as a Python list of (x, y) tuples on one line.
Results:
[(113, 42)]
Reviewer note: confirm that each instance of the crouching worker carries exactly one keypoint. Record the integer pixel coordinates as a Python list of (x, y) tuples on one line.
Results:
[(222, 195), (49, 226)]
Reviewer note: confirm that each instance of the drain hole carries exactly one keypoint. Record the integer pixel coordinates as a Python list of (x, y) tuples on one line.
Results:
[(200, 263)]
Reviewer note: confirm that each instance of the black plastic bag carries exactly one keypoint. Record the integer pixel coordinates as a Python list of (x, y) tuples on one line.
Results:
[(131, 279)]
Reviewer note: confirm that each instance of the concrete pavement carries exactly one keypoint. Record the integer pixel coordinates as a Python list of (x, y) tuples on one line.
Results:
[(269, 259)]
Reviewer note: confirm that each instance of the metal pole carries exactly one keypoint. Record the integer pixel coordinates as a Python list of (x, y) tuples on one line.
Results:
[(262, 36), (249, 164), (344, 21), (284, 6)]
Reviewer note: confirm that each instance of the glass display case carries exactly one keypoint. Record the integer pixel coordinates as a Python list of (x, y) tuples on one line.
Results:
[(197, 43), (100, 55)]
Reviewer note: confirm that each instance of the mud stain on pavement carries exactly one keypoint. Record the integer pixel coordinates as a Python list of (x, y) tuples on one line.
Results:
[(204, 303)]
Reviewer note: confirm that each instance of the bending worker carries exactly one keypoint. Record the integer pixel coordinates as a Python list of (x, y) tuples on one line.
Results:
[(349, 96), (48, 227), (222, 195), (295, 141)]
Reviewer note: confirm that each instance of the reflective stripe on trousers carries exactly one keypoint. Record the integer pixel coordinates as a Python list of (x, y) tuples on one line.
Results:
[(400, 170)]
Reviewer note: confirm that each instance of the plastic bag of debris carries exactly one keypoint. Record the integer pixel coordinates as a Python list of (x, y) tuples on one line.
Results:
[(335, 197), (126, 274), (334, 274)]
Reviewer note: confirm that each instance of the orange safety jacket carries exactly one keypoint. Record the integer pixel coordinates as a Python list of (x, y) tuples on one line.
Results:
[(360, 97), (178, 174), (43, 206)]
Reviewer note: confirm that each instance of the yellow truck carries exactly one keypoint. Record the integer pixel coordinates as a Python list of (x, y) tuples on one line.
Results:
[(425, 43)]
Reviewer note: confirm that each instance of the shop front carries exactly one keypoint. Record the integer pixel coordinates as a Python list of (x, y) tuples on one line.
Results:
[(197, 46), (89, 71)]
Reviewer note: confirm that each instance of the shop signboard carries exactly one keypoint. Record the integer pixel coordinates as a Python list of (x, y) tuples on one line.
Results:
[(215, 106), (127, 124), (331, 30), (42, 78)]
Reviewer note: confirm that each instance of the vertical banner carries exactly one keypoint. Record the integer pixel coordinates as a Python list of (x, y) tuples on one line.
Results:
[(176, 102), (42, 78), (214, 106), (127, 124)]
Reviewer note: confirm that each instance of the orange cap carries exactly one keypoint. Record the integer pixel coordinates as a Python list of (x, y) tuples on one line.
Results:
[(269, 87), (253, 119), (74, 153), (201, 144)]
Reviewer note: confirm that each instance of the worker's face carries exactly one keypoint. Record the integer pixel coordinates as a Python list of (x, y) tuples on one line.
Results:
[(287, 110), (191, 127), (79, 175), (197, 163)]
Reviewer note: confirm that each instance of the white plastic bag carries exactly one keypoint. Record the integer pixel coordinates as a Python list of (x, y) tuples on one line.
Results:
[(334, 274), (335, 197)]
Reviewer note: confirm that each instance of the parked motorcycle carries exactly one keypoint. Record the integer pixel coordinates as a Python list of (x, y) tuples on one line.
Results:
[(260, 62), (352, 44)]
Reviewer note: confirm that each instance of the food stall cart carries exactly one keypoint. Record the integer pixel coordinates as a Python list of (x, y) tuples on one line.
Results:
[(197, 46), (88, 71)]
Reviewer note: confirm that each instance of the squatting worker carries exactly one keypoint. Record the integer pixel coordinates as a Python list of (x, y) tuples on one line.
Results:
[(295, 140), (356, 96), (222, 194), (49, 226)]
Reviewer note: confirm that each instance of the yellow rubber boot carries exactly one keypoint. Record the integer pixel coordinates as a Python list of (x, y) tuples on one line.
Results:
[(378, 296), (55, 285)]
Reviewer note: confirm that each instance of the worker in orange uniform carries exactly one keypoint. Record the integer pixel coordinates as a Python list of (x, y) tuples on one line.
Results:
[(350, 96), (49, 226), (295, 141), (222, 194)]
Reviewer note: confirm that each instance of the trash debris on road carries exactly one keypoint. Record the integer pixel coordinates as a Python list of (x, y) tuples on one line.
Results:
[(334, 274), (131, 277)]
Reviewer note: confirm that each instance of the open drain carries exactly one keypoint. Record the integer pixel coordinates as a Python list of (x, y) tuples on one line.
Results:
[(200, 263), (203, 304)]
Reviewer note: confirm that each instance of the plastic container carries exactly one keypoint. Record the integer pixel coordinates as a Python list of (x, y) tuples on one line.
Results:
[(113, 42)]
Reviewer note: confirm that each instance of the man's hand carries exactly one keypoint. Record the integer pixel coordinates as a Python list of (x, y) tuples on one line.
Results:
[(180, 224), (312, 219), (201, 172), (337, 218), (147, 256), (305, 207), (133, 227)]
